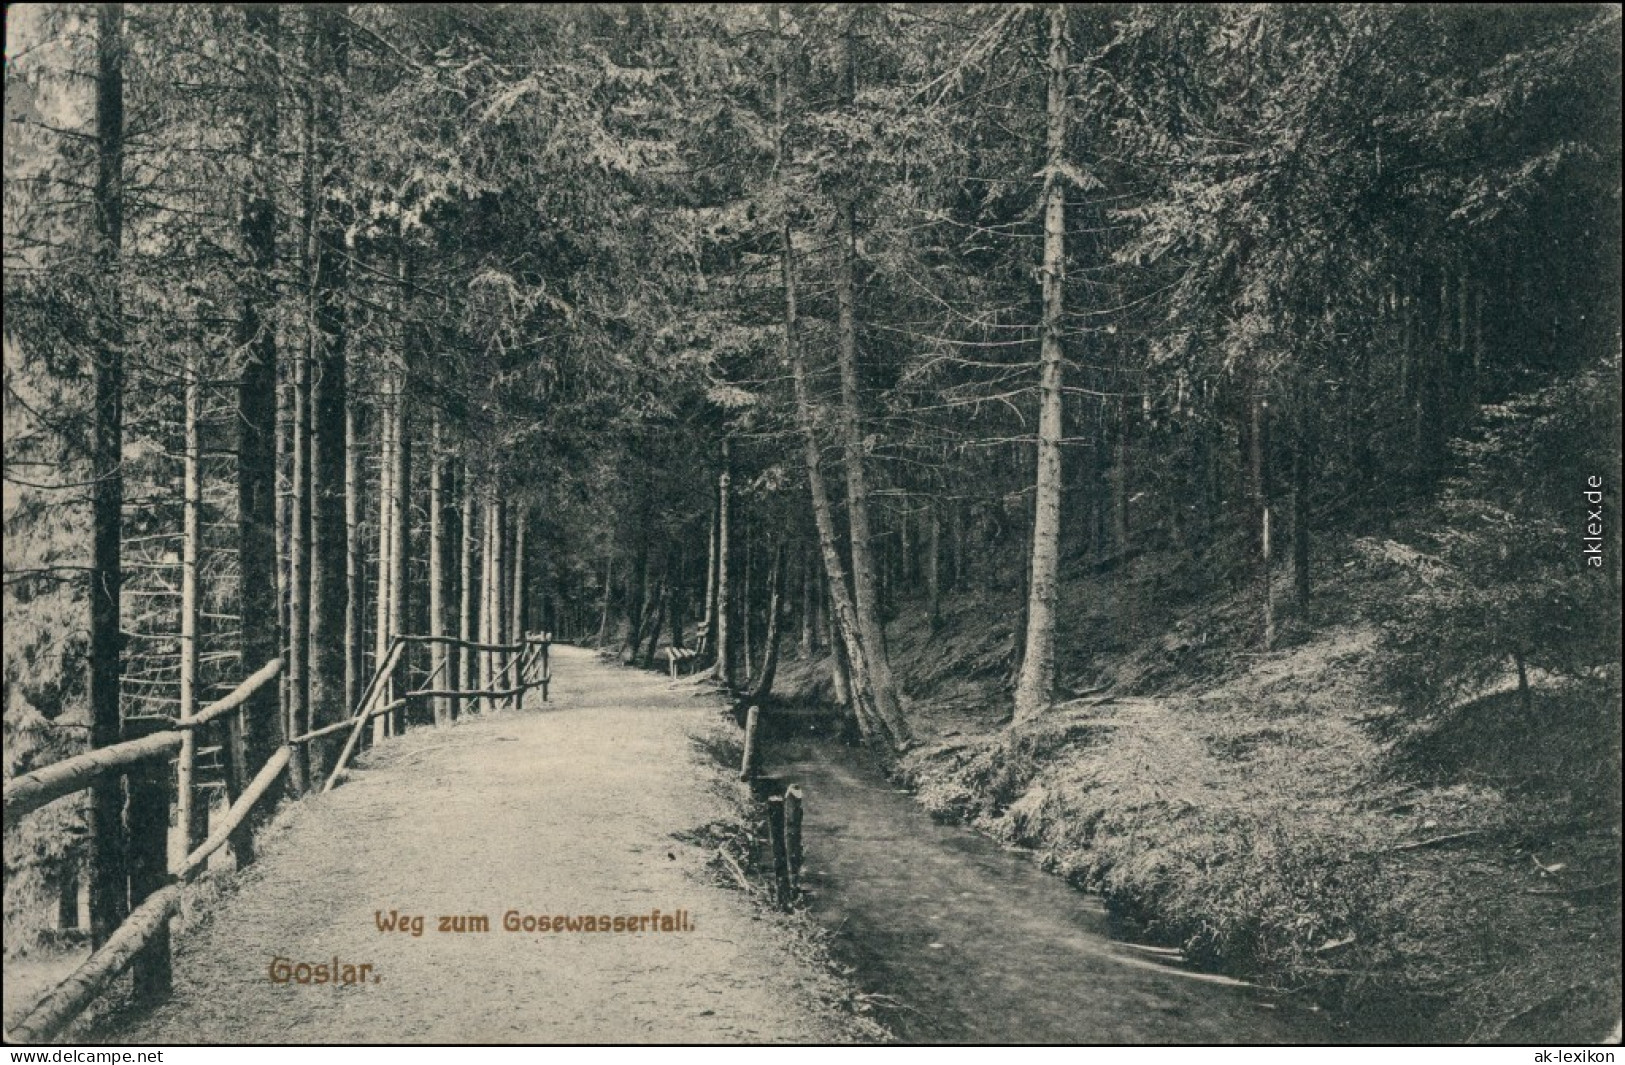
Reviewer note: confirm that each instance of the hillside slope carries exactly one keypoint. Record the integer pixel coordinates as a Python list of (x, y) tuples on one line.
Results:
[(1449, 876)]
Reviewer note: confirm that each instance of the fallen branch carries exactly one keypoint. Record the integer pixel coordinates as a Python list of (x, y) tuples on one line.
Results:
[(1436, 840), (733, 866), (1573, 890)]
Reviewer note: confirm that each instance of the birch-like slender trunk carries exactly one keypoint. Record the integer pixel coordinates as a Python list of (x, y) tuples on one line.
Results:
[(191, 815), (603, 610), (400, 483), (709, 619), (439, 656), (355, 562), (516, 597), (1036, 683), (467, 627), (386, 509), (723, 669)]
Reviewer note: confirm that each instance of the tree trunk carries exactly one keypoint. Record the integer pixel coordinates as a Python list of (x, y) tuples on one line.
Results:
[(439, 654), (516, 598), (329, 588), (109, 891), (386, 521), (1301, 459), (748, 658), (933, 569), (866, 600), (770, 653), (487, 591), (499, 592), (893, 733), (355, 560), (723, 669), (837, 663), (1036, 684), (467, 627), (645, 652), (256, 424), (809, 605), (1258, 460), (603, 612), (192, 816), (636, 604), (710, 618)]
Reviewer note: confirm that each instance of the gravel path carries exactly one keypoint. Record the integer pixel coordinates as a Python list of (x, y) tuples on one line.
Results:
[(572, 808)]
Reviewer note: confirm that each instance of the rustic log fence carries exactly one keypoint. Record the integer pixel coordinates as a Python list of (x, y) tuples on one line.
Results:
[(141, 942)]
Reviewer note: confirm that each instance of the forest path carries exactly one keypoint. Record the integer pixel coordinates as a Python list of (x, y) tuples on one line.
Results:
[(974, 943), (571, 808)]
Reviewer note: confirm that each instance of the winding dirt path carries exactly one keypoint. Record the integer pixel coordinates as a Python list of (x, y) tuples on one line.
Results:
[(570, 808)]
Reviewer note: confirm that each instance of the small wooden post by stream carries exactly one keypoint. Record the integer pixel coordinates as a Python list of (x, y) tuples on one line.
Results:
[(792, 832), (747, 769), (781, 859)]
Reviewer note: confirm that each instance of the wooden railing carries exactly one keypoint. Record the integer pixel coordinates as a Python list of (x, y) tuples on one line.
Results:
[(142, 939)]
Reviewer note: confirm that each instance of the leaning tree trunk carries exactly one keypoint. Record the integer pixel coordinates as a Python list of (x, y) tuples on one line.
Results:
[(865, 598), (1036, 684), (109, 891), (869, 719)]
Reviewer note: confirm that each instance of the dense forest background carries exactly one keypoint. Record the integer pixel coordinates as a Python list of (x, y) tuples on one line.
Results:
[(1263, 360)]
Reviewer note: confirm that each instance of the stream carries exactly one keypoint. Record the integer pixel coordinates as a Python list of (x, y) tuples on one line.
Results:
[(965, 941)]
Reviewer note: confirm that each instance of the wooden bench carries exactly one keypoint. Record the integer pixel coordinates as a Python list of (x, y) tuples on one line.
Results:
[(676, 656)]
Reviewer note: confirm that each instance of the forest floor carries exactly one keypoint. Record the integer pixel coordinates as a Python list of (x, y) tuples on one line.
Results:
[(1272, 816), (588, 804)]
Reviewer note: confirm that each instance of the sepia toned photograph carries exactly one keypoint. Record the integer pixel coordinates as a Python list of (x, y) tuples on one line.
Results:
[(812, 524)]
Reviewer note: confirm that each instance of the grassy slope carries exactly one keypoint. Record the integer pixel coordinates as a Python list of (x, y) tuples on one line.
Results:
[(1273, 816)]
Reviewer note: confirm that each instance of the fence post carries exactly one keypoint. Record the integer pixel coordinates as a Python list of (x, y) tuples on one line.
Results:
[(747, 767), (147, 818), (792, 832), (781, 861), (547, 668)]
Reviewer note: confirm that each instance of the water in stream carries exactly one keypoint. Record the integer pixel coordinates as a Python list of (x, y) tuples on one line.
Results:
[(970, 942)]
